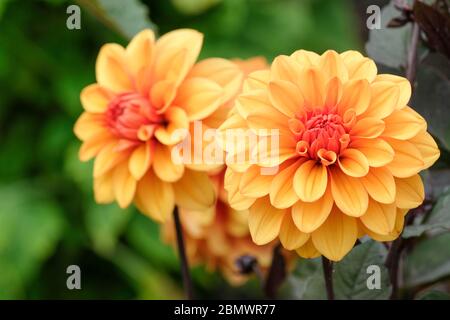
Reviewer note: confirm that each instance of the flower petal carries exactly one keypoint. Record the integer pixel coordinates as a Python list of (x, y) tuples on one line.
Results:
[(103, 188), (308, 250), (92, 146), (332, 65), (89, 125), (94, 98), (199, 97), (427, 147), (377, 151), (107, 158), (176, 53), (264, 221), (380, 218), (402, 124), (410, 192), (403, 84), (384, 99), (312, 86), (285, 68), (407, 159), (124, 185), (253, 184), (380, 185), (155, 197), (353, 163), (290, 237), (194, 191), (308, 216), (282, 193), (111, 69), (164, 167), (140, 50), (336, 236), (349, 193), (140, 160), (231, 184), (286, 97), (176, 129), (223, 72), (359, 67), (356, 95), (368, 128), (310, 181)]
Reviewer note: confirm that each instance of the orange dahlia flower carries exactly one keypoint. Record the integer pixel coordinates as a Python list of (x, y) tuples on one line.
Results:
[(143, 94), (218, 236), (349, 153)]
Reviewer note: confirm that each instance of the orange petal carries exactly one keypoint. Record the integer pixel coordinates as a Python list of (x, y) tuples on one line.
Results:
[(282, 193), (103, 188), (332, 65), (398, 228), (199, 97), (306, 58), (154, 197), (384, 99), (91, 147), (286, 97), (310, 181), (107, 158), (359, 67), (164, 167), (111, 69), (290, 237), (162, 94), (377, 151), (380, 218), (312, 86), (407, 159), (235, 198), (176, 53), (336, 236), (410, 192), (194, 191), (356, 95), (334, 91), (264, 221), (285, 68), (253, 184), (308, 251), (380, 185), (223, 72), (176, 128), (308, 216), (89, 125), (140, 160), (256, 80), (124, 185), (403, 84), (140, 50), (428, 148), (403, 124), (349, 193), (94, 98), (368, 128), (353, 163)]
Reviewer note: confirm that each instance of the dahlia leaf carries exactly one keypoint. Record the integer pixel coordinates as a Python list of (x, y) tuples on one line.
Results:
[(429, 261)]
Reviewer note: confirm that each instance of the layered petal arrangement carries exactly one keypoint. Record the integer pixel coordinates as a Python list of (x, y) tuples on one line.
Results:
[(218, 236), (144, 94), (348, 157)]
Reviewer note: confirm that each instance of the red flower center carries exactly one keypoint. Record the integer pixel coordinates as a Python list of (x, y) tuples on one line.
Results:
[(130, 116), (321, 132)]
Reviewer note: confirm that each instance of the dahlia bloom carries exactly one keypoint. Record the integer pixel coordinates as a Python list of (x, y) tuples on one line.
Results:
[(350, 150), (144, 93), (218, 236)]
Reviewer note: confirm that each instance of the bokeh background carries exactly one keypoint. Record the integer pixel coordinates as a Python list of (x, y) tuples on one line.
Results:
[(48, 217)]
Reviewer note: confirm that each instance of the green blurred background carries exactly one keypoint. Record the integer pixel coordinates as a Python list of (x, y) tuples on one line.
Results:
[(48, 217)]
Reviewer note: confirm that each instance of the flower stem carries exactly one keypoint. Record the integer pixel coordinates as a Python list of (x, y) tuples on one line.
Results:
[(328, 275), (277, 273), (411, 64), (187, 282)]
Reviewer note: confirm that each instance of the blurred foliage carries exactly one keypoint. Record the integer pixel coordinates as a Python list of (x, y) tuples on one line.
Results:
[(48, 217)]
